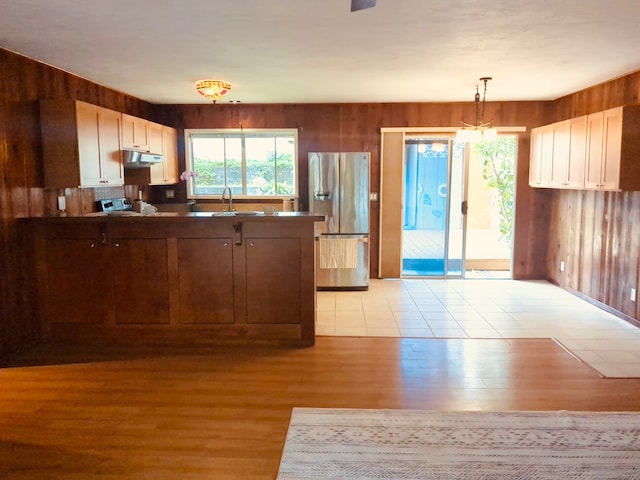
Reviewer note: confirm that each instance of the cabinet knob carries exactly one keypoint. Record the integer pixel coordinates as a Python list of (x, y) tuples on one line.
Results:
[(116, 244), (225, 244), (251, 244)]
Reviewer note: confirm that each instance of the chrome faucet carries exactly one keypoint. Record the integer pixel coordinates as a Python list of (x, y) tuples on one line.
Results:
[(224, 191)]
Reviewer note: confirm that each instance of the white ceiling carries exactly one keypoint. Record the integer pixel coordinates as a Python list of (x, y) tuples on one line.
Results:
[(304, 51)]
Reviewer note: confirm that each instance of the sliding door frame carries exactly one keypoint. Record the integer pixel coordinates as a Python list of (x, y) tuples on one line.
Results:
[(392, 163)]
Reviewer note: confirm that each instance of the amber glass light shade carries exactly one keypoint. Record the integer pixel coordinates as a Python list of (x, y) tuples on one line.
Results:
[(213, 90)]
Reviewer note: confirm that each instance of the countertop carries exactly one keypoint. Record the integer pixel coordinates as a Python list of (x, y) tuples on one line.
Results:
[(130, 216)]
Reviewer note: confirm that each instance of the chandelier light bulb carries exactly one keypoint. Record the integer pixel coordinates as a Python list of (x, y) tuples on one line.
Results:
[(490, 134)]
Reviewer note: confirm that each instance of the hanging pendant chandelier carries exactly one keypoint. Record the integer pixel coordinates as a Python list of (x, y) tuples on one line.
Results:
[(213, 90), (480, 130)]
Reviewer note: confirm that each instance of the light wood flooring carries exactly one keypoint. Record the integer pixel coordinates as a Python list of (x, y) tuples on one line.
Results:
[(171, 412)]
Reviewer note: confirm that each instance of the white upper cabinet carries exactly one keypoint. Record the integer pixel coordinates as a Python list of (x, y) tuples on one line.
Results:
[(81, 144), (135, 133), (593, 152), (541, 156)]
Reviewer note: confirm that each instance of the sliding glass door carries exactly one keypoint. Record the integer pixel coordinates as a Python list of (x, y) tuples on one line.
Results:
[(434, 216)]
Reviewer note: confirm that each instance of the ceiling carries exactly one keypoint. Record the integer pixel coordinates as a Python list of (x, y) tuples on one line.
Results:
[(308, 51)]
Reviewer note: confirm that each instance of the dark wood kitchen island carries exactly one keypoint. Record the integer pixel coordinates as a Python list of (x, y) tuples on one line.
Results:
[(176, 277)]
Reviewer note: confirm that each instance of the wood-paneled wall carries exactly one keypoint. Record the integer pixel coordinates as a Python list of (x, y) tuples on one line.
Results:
[(542, 226), (596, 234), (356, 127), (22, 83)]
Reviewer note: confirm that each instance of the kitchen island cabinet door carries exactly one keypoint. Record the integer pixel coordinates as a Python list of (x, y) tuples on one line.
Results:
[(205, 279), (78, 282), (140, 280), (185, 278), (273, 280)]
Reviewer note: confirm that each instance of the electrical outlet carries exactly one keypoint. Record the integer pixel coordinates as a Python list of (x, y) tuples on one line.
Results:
[(562, 266), (62, 203), (633, 295), (170, 193)]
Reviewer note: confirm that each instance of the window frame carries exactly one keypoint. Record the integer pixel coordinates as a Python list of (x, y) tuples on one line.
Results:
[(243, 133)]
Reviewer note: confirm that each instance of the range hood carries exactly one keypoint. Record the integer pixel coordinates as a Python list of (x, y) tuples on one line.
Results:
[(136, 159)]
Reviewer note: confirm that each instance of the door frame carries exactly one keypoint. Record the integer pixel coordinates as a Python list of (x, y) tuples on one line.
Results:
[(392, 162)]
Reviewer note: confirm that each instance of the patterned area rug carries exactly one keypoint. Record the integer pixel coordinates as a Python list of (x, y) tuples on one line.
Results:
[(332, 444)]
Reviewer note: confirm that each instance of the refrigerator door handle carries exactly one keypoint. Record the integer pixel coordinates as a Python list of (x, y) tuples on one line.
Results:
[(322, 195)]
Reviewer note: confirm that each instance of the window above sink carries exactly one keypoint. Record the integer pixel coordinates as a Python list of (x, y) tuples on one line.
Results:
[(254, 163)]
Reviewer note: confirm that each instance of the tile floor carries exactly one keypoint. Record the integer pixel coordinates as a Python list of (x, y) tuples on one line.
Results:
[(474, 308)]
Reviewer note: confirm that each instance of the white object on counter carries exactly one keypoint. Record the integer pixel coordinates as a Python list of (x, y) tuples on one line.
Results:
[(138, 205), (144, 207), (270, 210), (289, 204), (149, 209)]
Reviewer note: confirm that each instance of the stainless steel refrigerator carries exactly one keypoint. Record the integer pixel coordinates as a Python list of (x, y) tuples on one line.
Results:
[(339, 190)]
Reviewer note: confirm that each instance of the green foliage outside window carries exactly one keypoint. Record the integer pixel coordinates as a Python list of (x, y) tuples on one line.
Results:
[(268, 168), (498, 159)]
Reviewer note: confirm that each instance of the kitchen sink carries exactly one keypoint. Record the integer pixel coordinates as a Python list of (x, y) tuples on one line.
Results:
[(237, 214), (161, 214), (248, 213), (130, 213)]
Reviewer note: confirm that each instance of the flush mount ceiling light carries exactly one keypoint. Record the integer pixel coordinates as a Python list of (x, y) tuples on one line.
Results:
[(213, 89), (480, 130)]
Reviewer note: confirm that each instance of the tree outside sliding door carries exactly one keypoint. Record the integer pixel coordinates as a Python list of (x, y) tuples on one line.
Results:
[(491, 207)]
